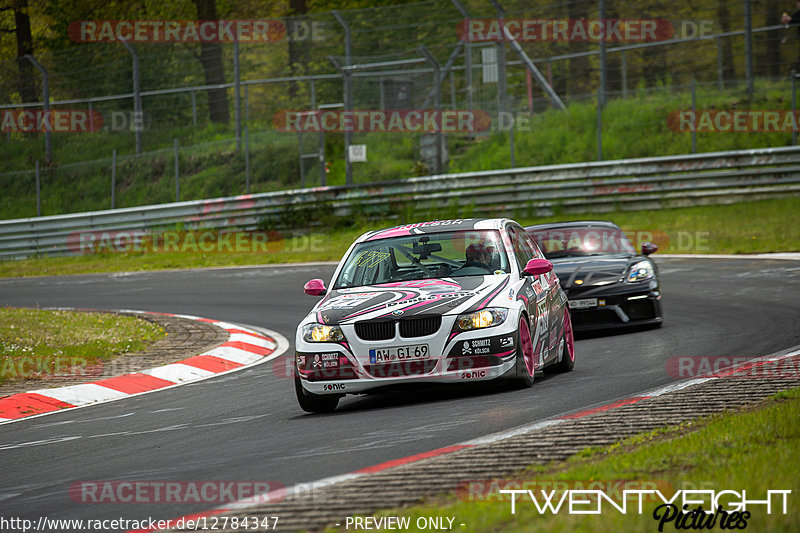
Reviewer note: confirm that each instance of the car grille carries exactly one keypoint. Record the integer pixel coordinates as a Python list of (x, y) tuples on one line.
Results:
[(396, 370), (375, 331), (639, 309), (409, 328), (419, 327)]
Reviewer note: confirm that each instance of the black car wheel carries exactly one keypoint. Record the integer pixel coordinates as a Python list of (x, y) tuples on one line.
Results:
[(525, 358), (567, 362), (314, 403)]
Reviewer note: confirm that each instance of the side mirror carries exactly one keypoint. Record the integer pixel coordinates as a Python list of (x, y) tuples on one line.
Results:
[(649, 248), (538, 266), (315, 287)]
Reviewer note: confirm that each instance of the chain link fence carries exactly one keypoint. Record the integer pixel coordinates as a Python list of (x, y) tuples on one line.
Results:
[(387, 59)]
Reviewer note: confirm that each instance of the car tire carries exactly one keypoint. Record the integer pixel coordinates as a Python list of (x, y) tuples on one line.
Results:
[(525, 357), (314, 403), (567, 361)]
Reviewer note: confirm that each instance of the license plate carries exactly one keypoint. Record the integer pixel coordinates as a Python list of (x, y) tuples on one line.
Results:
[(398, 353), (586, 303)]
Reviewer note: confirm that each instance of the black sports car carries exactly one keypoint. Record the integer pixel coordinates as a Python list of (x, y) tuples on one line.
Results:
[(609, 284)]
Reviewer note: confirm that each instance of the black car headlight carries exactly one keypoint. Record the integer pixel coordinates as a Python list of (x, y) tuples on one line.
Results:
[(322, 333), (641, 271), (485, 318)]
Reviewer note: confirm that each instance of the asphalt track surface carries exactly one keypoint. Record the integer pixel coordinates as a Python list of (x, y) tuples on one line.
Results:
[(246, 426)]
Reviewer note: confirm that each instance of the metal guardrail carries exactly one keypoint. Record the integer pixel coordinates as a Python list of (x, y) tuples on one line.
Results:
[(644, 183)]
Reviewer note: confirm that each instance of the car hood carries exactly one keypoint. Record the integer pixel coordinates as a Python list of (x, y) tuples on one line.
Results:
[(409, 298), (591, 271)]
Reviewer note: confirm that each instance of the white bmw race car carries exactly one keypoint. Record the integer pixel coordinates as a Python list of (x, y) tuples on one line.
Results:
[(435, 302)]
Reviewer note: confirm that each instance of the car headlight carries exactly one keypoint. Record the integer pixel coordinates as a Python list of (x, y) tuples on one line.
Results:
[(640, 271), (485, 318), (322, 333)]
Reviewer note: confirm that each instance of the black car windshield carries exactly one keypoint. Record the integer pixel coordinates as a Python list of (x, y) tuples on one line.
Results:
[(580, 241), (425, 256)]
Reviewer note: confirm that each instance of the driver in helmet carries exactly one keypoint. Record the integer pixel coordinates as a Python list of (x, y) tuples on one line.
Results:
[(480, 255)]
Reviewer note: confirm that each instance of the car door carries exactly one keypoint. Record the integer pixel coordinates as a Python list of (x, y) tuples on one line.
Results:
[(539, 302)]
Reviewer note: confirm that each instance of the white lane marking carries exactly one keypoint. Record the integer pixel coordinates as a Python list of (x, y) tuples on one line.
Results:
[(282, 346), (166, 410), (494, 437), (675, 387), (84, 394), (38, 426), (235, 355), (249, 339), (178, 372), (51, 440)]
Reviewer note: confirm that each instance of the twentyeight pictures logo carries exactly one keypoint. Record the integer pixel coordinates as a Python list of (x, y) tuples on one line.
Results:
[(193, 31)]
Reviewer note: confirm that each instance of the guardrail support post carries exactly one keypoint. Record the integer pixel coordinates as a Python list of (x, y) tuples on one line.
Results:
[(48, 143)]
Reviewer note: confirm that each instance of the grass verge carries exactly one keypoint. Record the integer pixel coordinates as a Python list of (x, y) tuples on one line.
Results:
[(756, 451), (39, 345), (750, 227)]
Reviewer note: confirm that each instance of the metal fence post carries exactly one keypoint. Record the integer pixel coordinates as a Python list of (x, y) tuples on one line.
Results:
[(246, 161), (437, 102), (748, 45), (38, 192), (624, 76), (794, 105), (138, 119), (599, 122), (177, 174), (113, 177), (236, 95), (502, 89), (48, 143), (720, 70), (246, 104), (194, 109), (694, 115), (603, 74), (348, 95)]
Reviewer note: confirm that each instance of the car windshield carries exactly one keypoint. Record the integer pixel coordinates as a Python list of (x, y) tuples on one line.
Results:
[(424, 256), (580, 241)]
